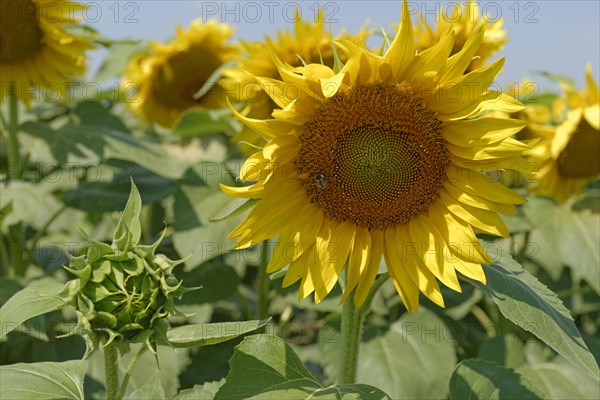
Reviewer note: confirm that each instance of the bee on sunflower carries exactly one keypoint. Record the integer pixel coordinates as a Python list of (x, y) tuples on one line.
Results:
[(381, 159)]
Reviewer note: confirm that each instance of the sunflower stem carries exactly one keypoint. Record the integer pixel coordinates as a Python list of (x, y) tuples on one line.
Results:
[(111, 371), (14, 158), (130, 371), (352, 321), (263, 285)]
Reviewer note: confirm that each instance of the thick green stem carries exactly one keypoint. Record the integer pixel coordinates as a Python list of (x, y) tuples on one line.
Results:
[(350, 341), (263, 284), (14, 158), (130, 371), (111, 370), (352, 320)]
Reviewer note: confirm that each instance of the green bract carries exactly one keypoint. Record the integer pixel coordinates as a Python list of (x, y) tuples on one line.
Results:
[(124, 290)]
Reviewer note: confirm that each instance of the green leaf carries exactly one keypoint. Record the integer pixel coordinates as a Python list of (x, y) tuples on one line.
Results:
[(206, 391), (477, 379), (506, 350), (240, 206), (413, 360), (198, 123), (97, 197), (574, 234), (118, 57), (219, 282), (528, 303), (34, 300), (558, 78), (45, 380), (83, 145), (561, 380), (194, 234), (152, 389), (206, 334), (129, 223), (265, 367), (94, 113)]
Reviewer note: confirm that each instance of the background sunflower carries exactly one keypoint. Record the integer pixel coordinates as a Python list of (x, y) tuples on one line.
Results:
[(464, 19), (36, 48), (568, 156), (310, 42), (168, 79)]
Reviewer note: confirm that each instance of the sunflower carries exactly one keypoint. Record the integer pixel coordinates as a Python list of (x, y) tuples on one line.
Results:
[(169, 77), (569, 157), (464, 18), (381, 159), (36, 51), (309, 42)]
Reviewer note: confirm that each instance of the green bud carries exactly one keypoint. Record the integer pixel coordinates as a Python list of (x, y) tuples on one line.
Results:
[(124, 290)]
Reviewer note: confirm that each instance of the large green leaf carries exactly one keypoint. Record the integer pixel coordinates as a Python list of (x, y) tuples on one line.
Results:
[(198, 123), (477, 379), (195, 235), (574, 234), (36, 299), (81, 145), (96, 197), (152, 389), (561, 380), (413, 360), (129, 224), (117, 59), (528, 303), (205, 334), (206, 391), (45, 380), (266, 367)]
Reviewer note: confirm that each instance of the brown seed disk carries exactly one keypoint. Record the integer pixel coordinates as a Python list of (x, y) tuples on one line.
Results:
[(373, 155), (20, 34), (581, 157)]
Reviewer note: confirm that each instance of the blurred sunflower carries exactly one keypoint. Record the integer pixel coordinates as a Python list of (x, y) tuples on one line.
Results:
[(168, 79), (309, 43), (36, 50), (464, 18), (377, 160), (568, 156)]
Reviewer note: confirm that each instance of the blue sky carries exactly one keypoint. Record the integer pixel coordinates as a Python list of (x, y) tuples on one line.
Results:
[(556, 36)]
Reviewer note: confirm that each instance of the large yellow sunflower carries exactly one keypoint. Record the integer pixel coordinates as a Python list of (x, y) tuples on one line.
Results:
[(167, 80), (464, 18), (310, 42), (569, 158), (381, 159), (35, 49)]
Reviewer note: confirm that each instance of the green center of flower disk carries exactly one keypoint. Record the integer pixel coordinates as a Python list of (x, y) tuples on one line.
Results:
[(581, 156), (20, 33), (373, 155)]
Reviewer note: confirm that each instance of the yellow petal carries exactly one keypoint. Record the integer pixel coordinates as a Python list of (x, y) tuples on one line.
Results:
[(359, 259), (431, 248), (369, 274), (485, 221), (402, 49), (481, 131)]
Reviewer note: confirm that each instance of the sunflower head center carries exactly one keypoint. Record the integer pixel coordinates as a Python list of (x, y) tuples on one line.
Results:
[(20, 33), (373, 155), (581, 156), (375, 163)]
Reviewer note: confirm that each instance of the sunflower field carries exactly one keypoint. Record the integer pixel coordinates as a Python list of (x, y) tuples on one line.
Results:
[(367, 212)]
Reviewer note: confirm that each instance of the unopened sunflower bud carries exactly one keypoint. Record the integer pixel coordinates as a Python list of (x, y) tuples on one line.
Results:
[(124, 290)]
